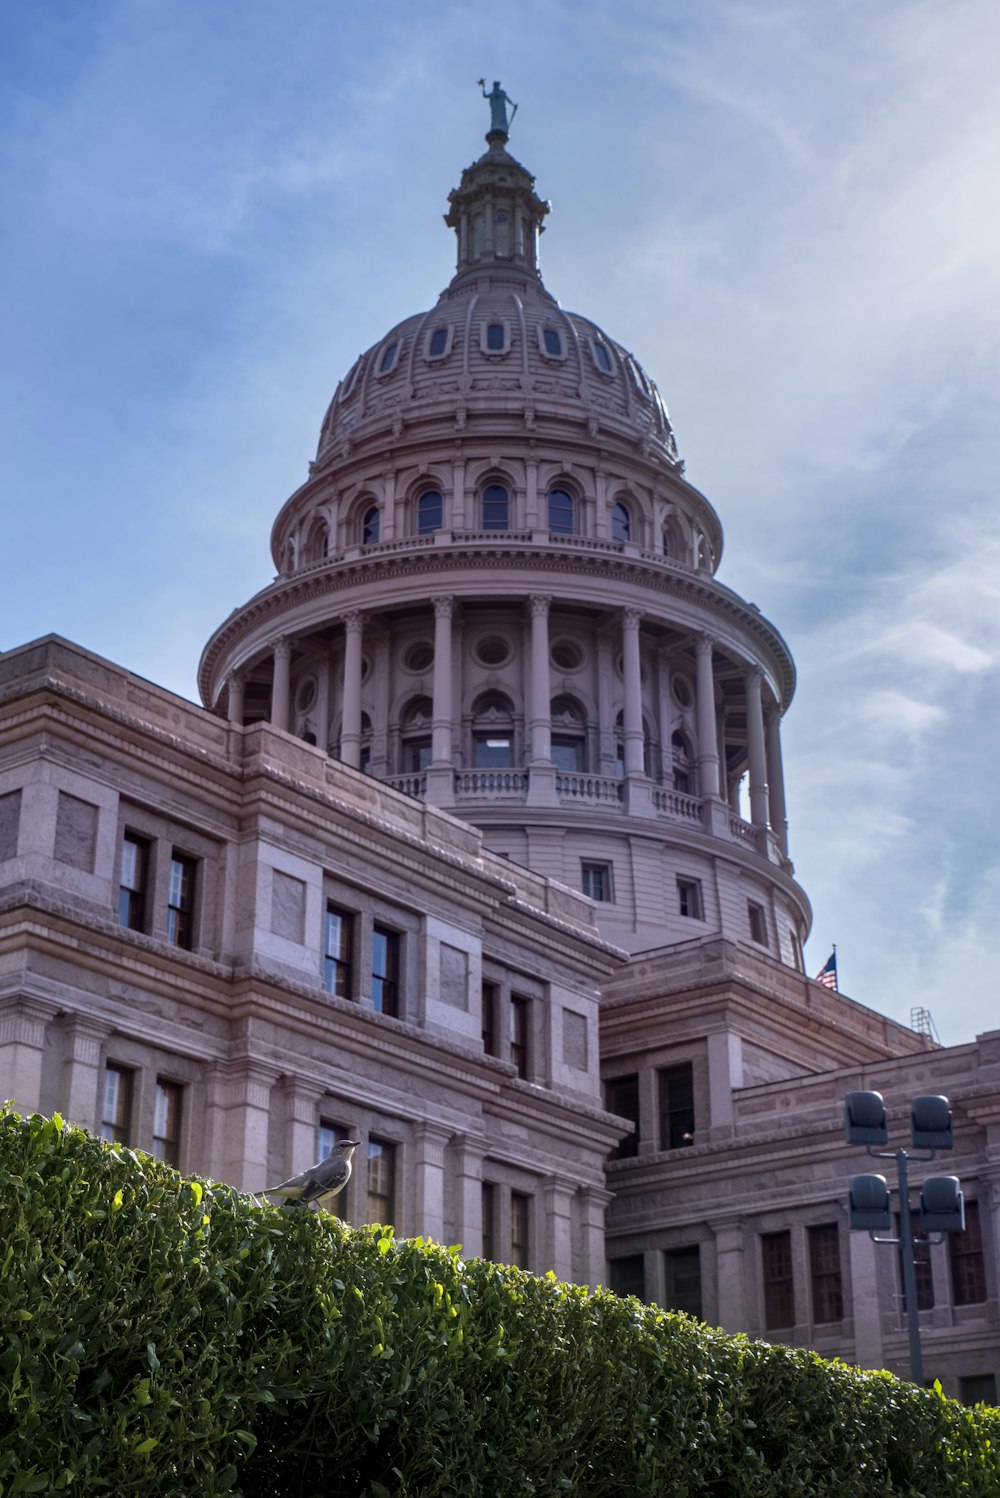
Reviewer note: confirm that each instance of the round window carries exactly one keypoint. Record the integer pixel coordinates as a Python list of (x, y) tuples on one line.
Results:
[(567, 655), (681, 688), (492, 650), (419, 657), (306, 694)]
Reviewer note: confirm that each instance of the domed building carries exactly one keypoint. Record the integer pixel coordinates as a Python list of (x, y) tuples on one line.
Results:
[(497, 592), (477, 854)]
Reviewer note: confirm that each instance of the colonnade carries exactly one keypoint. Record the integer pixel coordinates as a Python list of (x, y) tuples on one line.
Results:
[(763, 737)]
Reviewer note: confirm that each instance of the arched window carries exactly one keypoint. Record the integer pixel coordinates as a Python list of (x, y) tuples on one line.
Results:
[(430, 511), (370, 526), (569, 735), (416, 736), (621, 522), (492, 732), (496, 508), (561, 512), (319, 542)]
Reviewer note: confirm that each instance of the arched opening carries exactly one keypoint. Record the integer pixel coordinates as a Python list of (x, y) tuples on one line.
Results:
[(493, 732), (621, 522), (430, 512), (416, 740), (496, 508), (370, 525), (569, 735), (561, 513)]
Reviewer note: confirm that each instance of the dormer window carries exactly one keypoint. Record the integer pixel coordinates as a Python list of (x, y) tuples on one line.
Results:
[(601, 356), (437, 342), (388, 359), (495, 338), (552, 343)]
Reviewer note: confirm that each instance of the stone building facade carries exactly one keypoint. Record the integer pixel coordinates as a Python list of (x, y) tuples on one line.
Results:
[(457, 840)]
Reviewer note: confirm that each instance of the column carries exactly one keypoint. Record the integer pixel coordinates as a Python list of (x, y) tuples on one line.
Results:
[(236, 1123), (430, 1141), (708, 749), (755, 749), (633, 693), (665, 724), (864, 1301), (350, 726), (380, 690), (732, 1315), (593, 1264), (323, 675), (467, 1188), (441, 753), (236, 682), (541, 691), (557, 1200), (533, 521), (281, 682), (80, 1099), (776, 778), (22, 1040), (301, 1104), (605, 722)]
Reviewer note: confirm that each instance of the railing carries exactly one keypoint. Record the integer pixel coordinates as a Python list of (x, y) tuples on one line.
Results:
[(590, 789), (410, 785), (491, 783), (676, 804), (743, 832)]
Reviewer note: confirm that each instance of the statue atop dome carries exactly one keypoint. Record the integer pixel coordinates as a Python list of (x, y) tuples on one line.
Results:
[(499, 122)]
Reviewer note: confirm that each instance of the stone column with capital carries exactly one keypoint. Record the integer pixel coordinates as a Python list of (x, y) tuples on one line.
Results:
[(593, 1268), (350, 727), (755, 749), (281, 683), (557, 1199), (23, 1022), (236, 1123), (80, 1101), (708, 748), (440, 775), (236, 681), (468, 1151), (301, 1105), (632, 671), (776, 778), (729, 1255), (541, 771)]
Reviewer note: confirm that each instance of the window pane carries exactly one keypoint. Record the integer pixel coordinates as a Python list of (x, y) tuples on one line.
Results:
[(621, 1095), (676, 1085), (519, 1034), (491, 1001), (132, 889), (621, 523), (553, 342), (381, 1181), (561, 512), (495, 335), (567, 754), (385, 971), (627, 1275), (430, 507), (496, 508), (439, 342), (520, 1247), (167, 1121), (370, 527), (682, 1279), (116, 1118), (339, 953), (388, 357), (968, 1270), (493, 752), (824, 1270), (180, 901), (779, 1289), (602, 357)]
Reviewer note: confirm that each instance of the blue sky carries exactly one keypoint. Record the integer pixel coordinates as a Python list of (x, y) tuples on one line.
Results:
[(789, 211)]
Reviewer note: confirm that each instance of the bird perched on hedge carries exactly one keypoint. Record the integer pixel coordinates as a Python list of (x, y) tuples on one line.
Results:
[(322, 1181)]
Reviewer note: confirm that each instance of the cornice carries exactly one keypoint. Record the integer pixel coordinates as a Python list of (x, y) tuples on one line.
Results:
[(662, 578)]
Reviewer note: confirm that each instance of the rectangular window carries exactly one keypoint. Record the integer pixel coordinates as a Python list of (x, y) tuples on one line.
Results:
[(133, 882), (758, 923), (180, 901), (338, 964), (553, 342), (824, 1273), (968, 1268), (116, 1115), (676, 1086), (385, 971), (597, 881), (779, 1286), (627, 1275), (621, 1096), (493, 751), (978, 1388), (167, 1121), (568, 753), (520, 1229), (491, 1005), (922, 1264), (519, 1014), (489, 1220), (682, 1280), (381, 1181), (689, 899)]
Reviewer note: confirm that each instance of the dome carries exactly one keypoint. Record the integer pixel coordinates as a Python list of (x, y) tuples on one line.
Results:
[(497, 341)]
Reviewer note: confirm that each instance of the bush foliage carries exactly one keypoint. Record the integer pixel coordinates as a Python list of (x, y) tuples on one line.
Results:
[(169, 1336)]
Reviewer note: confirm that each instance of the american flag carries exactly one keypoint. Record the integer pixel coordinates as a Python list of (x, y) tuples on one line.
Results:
[(827, 974)]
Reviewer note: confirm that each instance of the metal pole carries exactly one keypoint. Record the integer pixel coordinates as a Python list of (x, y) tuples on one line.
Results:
[(909, 1271)]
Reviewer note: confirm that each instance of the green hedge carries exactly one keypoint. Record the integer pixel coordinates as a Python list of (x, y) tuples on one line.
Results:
[(167, 1336)]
